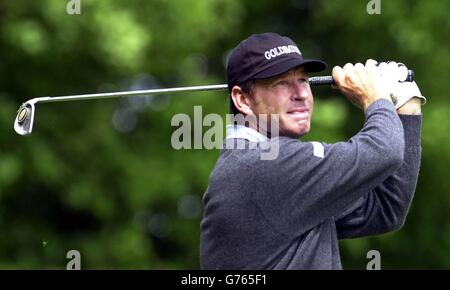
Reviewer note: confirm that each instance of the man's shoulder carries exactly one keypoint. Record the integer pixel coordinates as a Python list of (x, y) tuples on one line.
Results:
[(256, 154), (290, 147)]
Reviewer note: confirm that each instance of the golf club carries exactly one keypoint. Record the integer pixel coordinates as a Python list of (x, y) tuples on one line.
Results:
[(23, 124)]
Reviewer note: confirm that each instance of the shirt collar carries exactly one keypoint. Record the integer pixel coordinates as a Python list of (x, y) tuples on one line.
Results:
[(239, 131)]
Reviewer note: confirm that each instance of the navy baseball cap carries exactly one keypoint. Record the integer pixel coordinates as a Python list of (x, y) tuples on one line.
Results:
[(264, 56)]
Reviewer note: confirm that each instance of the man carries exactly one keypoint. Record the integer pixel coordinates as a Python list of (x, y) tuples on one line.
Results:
[(289, 212)]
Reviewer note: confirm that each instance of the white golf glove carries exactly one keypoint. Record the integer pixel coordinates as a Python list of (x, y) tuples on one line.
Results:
[(405, 91), (401, 91)]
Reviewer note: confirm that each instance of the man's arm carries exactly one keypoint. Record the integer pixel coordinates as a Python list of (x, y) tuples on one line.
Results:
[(300, 190), (385, 208), (308, 188)]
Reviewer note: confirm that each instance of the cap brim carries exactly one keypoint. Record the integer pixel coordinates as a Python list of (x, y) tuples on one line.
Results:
[(311, 65)]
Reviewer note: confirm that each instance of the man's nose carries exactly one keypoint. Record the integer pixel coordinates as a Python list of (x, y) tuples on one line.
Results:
[(301, 91)]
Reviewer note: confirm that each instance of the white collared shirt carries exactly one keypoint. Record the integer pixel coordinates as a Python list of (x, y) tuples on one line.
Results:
[(239, 131)]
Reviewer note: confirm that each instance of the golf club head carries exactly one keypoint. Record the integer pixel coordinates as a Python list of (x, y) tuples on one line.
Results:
[(23, 124)]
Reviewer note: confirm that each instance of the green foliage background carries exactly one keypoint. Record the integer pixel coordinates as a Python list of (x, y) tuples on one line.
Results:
[(119, 193)]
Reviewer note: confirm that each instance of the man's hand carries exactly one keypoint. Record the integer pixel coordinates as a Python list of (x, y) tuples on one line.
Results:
[(407, 98), (363, 84), (403, 93)]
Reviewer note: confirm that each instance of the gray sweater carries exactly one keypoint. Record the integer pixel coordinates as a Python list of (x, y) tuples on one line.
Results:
[(288, 213)]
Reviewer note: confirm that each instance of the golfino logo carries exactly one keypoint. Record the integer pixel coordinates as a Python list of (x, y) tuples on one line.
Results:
[(276, 51)]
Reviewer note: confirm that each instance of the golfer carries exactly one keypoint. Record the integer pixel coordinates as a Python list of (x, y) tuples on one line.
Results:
[(290, 212)]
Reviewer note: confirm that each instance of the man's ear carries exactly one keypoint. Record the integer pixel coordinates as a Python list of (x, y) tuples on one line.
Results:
[(241, 101)]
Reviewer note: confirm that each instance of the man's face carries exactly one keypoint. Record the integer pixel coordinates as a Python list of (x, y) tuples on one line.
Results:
[(288, 95)]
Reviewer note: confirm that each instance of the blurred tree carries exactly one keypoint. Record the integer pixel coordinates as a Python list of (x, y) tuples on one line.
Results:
[(101, 177)]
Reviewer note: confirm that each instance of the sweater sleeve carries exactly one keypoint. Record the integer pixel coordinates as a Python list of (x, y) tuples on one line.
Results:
[(385, 207), (301, 189)]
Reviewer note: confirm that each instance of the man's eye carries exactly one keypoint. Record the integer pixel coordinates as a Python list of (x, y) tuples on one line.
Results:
[(304, 80)]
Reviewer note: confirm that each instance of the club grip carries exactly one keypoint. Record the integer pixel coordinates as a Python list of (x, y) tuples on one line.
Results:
[(328, 80)]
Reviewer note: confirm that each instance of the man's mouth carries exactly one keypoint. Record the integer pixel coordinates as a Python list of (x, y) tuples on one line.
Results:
[(299, 113)]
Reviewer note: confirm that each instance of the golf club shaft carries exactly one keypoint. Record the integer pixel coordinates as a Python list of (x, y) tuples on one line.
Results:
[(313, 81), (130, 93)]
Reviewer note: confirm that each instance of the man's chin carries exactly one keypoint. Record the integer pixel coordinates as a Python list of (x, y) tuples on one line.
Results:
[(297, 133)]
